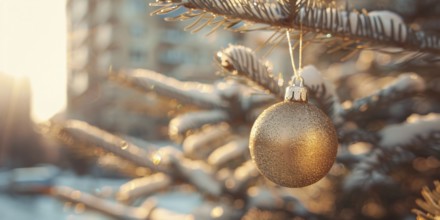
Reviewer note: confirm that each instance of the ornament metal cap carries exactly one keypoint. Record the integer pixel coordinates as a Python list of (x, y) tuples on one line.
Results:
[(296, 92)]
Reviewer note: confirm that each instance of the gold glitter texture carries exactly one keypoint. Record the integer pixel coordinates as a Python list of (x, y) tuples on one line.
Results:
[(293, 144)]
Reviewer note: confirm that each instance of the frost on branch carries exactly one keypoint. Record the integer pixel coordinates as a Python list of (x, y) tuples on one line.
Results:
[(201, 144), (83, 137), (143, 187), (406, 85), (415, 126), (242, 61), (232, 151), (182, 125), (400, 144), (113, 209), (322, 92), (188, 92), (373, 29), (200, 174)]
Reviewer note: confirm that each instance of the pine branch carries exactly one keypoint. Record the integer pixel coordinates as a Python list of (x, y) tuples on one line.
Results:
[(400, 144), (78, 133), (228, 154), (256, 213), (113, 209), (430, 203), (376, 29), (186, 92), (357, 135), (242, 178), (109, 208), (258, 100), (403, 87), (374, 169), (209, 210), (322, 92), (277, 199), (322, 99), (201, 144), (143, 187), (183, 125), (416, 127), (199, 174), (422, 63), (242, 61), (77, 149), (121, 166)]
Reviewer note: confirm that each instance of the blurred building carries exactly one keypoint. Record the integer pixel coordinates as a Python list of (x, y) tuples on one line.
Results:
[(112, 35), (20, 145)]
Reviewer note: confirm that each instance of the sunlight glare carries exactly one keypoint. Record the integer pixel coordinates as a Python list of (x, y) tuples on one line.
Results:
[(33, 45)]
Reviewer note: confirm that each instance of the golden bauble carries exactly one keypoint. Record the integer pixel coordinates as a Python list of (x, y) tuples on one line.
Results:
[(293, 144)]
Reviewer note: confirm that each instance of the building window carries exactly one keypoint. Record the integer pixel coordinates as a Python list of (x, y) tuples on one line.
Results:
[(137, 56), (176, 56), (138, 6), (137, 30), (173, 36)]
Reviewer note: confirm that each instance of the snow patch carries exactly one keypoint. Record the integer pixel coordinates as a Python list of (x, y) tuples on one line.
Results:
[(415, 125)]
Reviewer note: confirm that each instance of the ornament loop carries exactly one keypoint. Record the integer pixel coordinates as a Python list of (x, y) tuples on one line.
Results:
[(296, 92), (298, 81)]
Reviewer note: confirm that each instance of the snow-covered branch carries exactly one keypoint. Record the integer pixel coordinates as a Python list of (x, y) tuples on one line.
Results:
[(376, 27), (187, 92), (242, 61)]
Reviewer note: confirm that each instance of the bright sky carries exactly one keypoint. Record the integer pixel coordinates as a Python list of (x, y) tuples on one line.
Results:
[(33, 44)]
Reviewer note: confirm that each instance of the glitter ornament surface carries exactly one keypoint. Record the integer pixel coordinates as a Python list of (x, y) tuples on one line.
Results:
[(293, 144)]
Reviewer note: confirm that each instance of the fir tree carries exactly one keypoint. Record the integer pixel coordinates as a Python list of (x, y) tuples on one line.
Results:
[(388, 140)]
